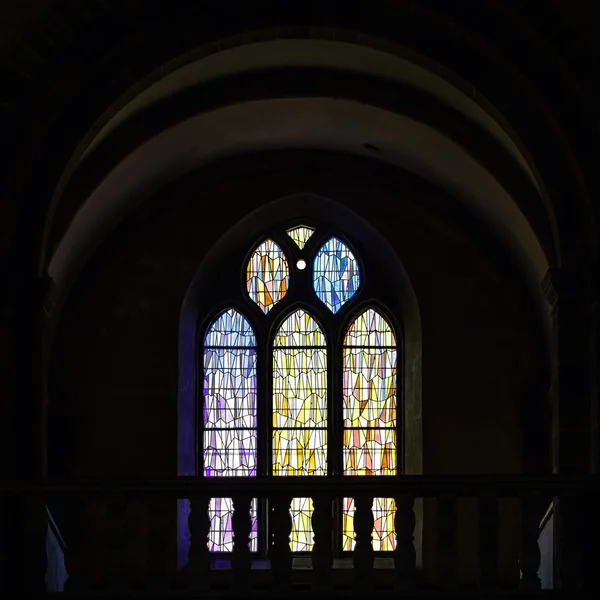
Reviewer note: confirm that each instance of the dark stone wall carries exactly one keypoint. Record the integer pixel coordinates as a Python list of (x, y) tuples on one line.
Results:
[(113, 387)]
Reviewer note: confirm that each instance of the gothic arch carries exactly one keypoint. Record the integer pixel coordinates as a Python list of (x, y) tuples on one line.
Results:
[(197, 304)]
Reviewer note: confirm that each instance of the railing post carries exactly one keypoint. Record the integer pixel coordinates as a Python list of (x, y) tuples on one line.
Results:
[(73, 556), (280, 552), (242, 527), (405, 557), (530, 557), (571, 291), (96, 542), (162, 543), (198, 553), (3, 545), (446, 520), (136, 544), (117, 543), (34, 545), (570, 526), (488, 540), (322, 554), (363, 550)]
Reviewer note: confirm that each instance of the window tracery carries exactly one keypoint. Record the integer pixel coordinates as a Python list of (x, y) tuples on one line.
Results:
[(329, 390)]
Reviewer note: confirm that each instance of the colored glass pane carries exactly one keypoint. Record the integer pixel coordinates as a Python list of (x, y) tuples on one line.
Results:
[(336, 276), (299, 330), (301, 538), (370, 452), (370, 329), (300, 412), (300, 451), (229, 452), (384, 535), (229, 388), (299, 387), (267, 275), (229, 416), (300, 235), (369, 387), (230, 329), (220, 536)]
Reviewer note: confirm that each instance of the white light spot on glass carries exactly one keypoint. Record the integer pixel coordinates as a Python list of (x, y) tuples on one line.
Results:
[(301, 264)]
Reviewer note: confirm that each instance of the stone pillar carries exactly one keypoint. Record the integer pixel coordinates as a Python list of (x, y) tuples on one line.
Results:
[(568, 293), (23, 436), (595, 370), (591, 571)]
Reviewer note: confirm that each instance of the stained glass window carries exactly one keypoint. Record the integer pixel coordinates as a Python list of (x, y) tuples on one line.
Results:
[(300, 235), (369, 415), (336, 276), (299, 432), (267, 275), (229, 416), (300, 412), (369, 396)]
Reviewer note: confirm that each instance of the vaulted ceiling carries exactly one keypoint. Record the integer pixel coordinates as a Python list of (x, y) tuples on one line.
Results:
[(497, 102)]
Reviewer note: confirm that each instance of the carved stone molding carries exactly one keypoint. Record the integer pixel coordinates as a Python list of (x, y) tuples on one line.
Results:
[(49, 293), (549, 290)]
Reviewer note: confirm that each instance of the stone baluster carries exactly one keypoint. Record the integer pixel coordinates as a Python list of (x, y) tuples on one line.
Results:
[(3, 546), (34, 545), (73, 556), (405, 557), (162, 536), (446, 547), (117, 543), (571, 292), (363, 550), (322, 554), (198, 554), (571, 522), (136, 544), (242, 527), (529, 557), (488, 540), (280, 552), (96, 544)]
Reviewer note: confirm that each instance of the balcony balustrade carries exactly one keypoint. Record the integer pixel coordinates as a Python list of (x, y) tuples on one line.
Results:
[(127, 539)]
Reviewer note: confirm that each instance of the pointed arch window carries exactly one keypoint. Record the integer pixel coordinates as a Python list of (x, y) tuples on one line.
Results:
[(229, 417), (370, 363), (300, 377)]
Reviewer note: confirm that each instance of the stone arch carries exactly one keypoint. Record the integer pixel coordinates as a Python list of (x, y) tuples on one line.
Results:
[(484, 46), (277, 118)]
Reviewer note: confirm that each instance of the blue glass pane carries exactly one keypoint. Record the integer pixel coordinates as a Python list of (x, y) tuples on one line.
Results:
[(230, 329), (336, 276)]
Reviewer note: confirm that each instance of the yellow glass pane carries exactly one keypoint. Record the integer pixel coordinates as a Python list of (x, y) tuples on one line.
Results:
[(370, 452), (299, 388), (300, 235), (300, 452), (369, 387)]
